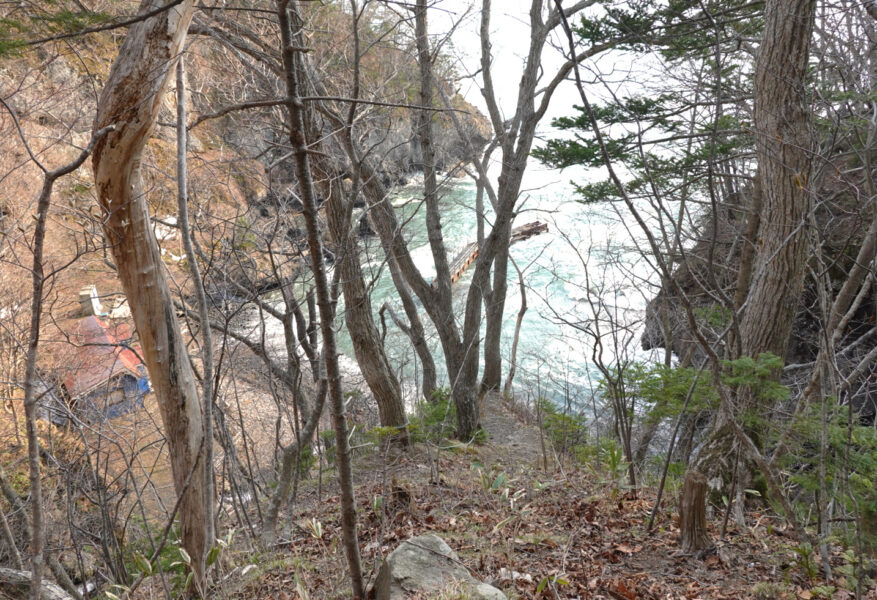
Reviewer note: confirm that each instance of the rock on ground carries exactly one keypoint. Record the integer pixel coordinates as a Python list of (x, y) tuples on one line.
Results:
[(16, 584), (427, 564)]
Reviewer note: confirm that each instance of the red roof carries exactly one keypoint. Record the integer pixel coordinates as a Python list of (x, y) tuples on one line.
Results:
[(100, 351)]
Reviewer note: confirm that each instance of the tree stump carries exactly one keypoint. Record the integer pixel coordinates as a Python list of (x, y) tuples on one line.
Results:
[(692, 514)]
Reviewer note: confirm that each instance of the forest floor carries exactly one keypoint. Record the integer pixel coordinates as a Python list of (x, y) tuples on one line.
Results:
[(561, 532)]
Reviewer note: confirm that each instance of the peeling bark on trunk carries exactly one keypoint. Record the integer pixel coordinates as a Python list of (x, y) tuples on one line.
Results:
[(131, 100)]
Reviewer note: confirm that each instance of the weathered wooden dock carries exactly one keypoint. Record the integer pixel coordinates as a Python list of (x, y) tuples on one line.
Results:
[(468, 255)]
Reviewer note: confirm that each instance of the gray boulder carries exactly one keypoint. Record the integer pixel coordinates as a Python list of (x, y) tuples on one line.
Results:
[(426, 564), (15, 585)]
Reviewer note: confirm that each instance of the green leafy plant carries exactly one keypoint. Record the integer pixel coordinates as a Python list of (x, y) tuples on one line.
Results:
[(566, 430), (823, 591), (492, 480), (760, 374), (856, 570), (553, 580), (805, 560), (613, 459), (377, 504)]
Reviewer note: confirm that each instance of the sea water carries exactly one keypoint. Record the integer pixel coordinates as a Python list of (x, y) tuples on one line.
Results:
[(587, 283)]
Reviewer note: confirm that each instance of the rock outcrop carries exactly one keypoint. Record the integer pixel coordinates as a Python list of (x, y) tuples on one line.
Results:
[(707, 272)]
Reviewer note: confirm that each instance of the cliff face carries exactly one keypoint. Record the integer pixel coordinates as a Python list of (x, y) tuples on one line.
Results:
[(375, 65), (240, 166)]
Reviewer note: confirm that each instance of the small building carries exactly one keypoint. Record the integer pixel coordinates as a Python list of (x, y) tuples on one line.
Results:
[(98, 371)]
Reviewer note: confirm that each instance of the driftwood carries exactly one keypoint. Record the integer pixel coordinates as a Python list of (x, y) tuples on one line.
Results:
[(16, 584)]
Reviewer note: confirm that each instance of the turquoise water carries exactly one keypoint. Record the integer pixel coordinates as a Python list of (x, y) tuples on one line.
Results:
[(579, 275)]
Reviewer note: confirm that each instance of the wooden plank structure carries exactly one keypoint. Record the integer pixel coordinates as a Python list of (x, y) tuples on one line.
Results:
[(468, 255)]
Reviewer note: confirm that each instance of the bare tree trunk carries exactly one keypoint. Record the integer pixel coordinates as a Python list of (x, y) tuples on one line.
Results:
[(374, 192), (455, 348), (324, 301), (783, 142), (515, 142), (37, 530), (289, 464), (414, 330), (367, 344), (130, 100), (360, 323), (692, 514), (442, 282), (750, 242), (461, 358), (507, 390), (494, 309), (198, 281), (17, 504), (9, 540)]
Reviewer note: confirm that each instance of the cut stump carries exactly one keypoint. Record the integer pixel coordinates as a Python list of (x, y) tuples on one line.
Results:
[(692, 514)]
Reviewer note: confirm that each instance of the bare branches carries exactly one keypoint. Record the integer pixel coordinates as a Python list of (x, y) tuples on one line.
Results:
[(268, 102), (30, 377), (107, 27)]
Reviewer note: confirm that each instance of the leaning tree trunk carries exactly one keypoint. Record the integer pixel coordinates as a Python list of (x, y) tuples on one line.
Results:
[(131, 100), (414, 330), (367, 345), (200, 294), (31, 397), (461, 359)]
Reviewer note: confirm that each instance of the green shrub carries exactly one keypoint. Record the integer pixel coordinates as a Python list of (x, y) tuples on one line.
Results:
[(434, 420), (566, 430)]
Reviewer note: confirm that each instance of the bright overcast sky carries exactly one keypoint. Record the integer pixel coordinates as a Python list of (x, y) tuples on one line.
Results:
[(510, 41)]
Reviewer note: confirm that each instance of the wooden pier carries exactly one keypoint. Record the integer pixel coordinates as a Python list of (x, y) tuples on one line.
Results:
[(468, 255)]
